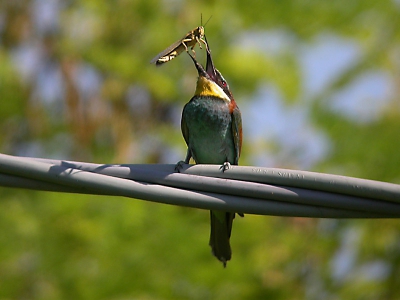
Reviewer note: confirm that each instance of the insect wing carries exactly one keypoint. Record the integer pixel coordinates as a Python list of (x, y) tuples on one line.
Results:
[(171, 48), (166, 52)]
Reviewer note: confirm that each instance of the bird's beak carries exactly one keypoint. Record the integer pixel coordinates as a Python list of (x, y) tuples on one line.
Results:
[(199, 67), (210, 71), (210, 68)]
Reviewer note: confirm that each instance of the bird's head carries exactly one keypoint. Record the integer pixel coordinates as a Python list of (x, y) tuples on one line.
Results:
[(216, 75), (210, 81)]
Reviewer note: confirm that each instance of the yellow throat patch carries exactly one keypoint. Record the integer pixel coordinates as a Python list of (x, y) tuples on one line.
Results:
[(206, 87)]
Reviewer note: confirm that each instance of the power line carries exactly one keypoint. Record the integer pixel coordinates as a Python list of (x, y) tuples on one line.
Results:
[(253, 190)]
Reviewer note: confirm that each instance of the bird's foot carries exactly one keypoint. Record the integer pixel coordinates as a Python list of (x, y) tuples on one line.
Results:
[(225, 166), (179, 166)]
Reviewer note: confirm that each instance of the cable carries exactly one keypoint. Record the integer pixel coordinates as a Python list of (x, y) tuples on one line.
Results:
[(249, 189)]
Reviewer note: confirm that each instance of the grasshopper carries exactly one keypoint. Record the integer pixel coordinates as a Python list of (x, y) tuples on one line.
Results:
[(193, 37)]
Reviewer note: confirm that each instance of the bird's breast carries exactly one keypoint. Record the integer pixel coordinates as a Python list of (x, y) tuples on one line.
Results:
[(209, 122)]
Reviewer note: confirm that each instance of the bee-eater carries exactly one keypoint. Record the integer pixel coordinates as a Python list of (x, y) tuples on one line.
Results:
[(212, 128)]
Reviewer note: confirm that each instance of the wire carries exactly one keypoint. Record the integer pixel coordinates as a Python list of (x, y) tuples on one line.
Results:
[(254, 190)]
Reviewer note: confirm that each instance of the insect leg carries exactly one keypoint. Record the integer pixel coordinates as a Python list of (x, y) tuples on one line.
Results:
[(198, 42), (184, 43), (203, 41)]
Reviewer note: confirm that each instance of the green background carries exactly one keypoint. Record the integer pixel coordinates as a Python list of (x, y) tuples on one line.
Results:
[(61, 246)]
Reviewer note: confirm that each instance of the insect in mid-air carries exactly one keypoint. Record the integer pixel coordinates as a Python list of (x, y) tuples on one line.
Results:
[(193, 37)]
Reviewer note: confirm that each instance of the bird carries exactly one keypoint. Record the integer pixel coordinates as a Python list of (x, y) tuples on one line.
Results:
[(211, 125)]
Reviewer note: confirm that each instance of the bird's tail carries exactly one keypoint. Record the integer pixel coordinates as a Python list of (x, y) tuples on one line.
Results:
[(221, 227)]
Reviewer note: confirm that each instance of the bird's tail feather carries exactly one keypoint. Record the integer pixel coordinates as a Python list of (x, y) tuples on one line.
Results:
[(221, 227)]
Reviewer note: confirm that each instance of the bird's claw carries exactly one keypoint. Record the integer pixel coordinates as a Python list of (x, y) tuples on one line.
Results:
[(225, 166), (179, 166)]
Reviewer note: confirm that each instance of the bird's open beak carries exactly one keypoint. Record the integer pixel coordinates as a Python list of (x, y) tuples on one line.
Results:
[(210, 72), (210, 68), (199, 68)]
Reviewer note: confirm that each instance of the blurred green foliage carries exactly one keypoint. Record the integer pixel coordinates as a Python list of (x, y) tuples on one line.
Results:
[(61, 246)]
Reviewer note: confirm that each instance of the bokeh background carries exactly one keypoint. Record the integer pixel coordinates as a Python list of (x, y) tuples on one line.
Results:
[(318, 86)]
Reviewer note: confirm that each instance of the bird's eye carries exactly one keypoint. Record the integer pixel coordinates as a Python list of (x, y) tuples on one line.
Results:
[(223, 82)]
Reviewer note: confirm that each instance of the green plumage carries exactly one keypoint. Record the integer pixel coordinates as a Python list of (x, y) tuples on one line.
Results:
[(210, 131), (212, 127), (207, 129)]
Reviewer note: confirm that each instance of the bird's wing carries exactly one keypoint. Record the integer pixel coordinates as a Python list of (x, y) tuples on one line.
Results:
[(184, 128), (185, 133), (237, 132)]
